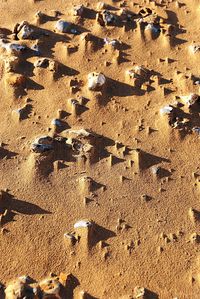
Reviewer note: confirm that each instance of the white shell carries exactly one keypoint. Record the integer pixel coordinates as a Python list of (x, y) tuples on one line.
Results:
[(152, 27), (112, 42), (96, 80), (190, 99), (166, 110), (56, 122), (82, 223)]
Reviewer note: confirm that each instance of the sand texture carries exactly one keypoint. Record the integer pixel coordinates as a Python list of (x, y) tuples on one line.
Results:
[(99, 149)]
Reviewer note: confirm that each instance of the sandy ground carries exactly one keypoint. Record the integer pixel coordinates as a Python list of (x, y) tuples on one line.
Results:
[(137, 184)]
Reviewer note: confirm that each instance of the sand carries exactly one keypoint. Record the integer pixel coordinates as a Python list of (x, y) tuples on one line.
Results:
[(99, 163)]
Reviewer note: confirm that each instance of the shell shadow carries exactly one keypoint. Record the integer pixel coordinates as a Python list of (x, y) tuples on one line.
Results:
[(72, 283), (89, 13), (101, 234), (64, 70), (150, 295), (32, 85), (173, 19), (4, 153), (17, 206), (119, 89), (103, 142), (148, 160)]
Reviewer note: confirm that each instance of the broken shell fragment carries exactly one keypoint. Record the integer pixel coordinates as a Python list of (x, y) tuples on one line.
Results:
[(166, 110), (25, 32), (137, 72), (42, 144), (46, 63), (63, 26), (112, 42), (96, 81), (81, 132), (190, 100), (56, 122), (153, 28), (82, 143), (106, 18), (82, 223), (12, 48)]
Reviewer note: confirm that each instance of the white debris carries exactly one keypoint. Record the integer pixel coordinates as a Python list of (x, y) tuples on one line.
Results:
[(12, 47), (153, 28), (190, 99), (80, 132), (166, 110), (25, 32), (56, 122), (96, 80), (112, 42), (82, 223)]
